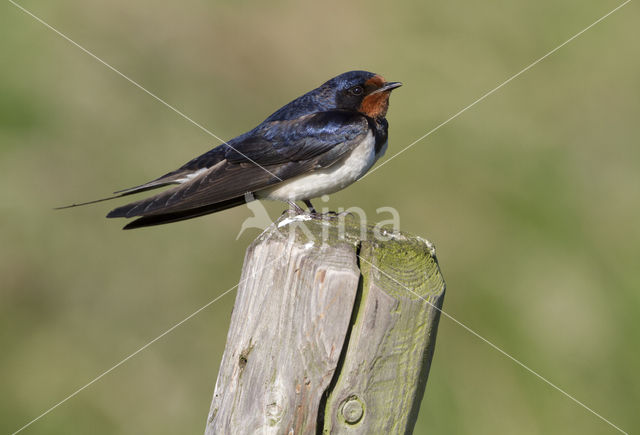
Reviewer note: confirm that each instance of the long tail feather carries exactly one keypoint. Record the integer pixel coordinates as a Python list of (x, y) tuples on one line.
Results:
[(121, 193), (88, 202)]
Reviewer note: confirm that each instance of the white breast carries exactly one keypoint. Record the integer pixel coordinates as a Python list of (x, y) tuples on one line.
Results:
[(325, 181)]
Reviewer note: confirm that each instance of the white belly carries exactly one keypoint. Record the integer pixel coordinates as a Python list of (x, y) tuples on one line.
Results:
[(325, 181)]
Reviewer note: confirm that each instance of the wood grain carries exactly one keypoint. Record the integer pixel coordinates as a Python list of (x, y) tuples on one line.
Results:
[(333, 331)]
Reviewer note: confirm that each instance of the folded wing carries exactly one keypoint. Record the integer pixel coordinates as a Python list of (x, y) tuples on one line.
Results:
[(266, 156)]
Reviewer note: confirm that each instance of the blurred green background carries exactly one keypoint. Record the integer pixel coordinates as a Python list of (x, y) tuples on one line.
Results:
[(531, 198)]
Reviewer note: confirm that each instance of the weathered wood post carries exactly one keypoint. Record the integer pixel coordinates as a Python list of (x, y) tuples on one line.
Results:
[(333, 337)]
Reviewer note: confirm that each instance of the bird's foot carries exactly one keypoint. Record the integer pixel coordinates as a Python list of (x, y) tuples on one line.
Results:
[(295, 210), (330, 215), (314, 214)]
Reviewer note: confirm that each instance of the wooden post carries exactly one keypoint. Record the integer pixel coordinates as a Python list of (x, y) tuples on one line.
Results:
[(329, 337)]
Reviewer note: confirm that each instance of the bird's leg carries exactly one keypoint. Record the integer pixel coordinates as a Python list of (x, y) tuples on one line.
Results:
[(295, 208), (310, 206)]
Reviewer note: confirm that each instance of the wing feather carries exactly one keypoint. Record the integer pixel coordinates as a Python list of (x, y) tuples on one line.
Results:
[(266, 156)]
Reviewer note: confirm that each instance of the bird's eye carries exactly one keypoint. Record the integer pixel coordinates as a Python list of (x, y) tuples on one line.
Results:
[(356, 90)]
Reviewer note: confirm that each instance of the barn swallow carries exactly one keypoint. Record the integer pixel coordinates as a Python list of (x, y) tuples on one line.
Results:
[(317, 144)]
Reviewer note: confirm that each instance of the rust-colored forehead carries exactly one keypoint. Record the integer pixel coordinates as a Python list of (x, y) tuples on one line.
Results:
[(376, 81)]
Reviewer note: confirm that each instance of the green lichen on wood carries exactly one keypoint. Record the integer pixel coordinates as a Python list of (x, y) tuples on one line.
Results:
[(405, 269)]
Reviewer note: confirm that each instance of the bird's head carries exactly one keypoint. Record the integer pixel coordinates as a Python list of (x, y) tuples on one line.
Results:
[(362, 91)]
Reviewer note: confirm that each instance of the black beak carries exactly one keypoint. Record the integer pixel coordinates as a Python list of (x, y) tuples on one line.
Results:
[(389, 86)]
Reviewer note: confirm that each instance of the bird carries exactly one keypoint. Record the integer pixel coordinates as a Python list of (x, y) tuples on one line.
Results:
[(317, 144)]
